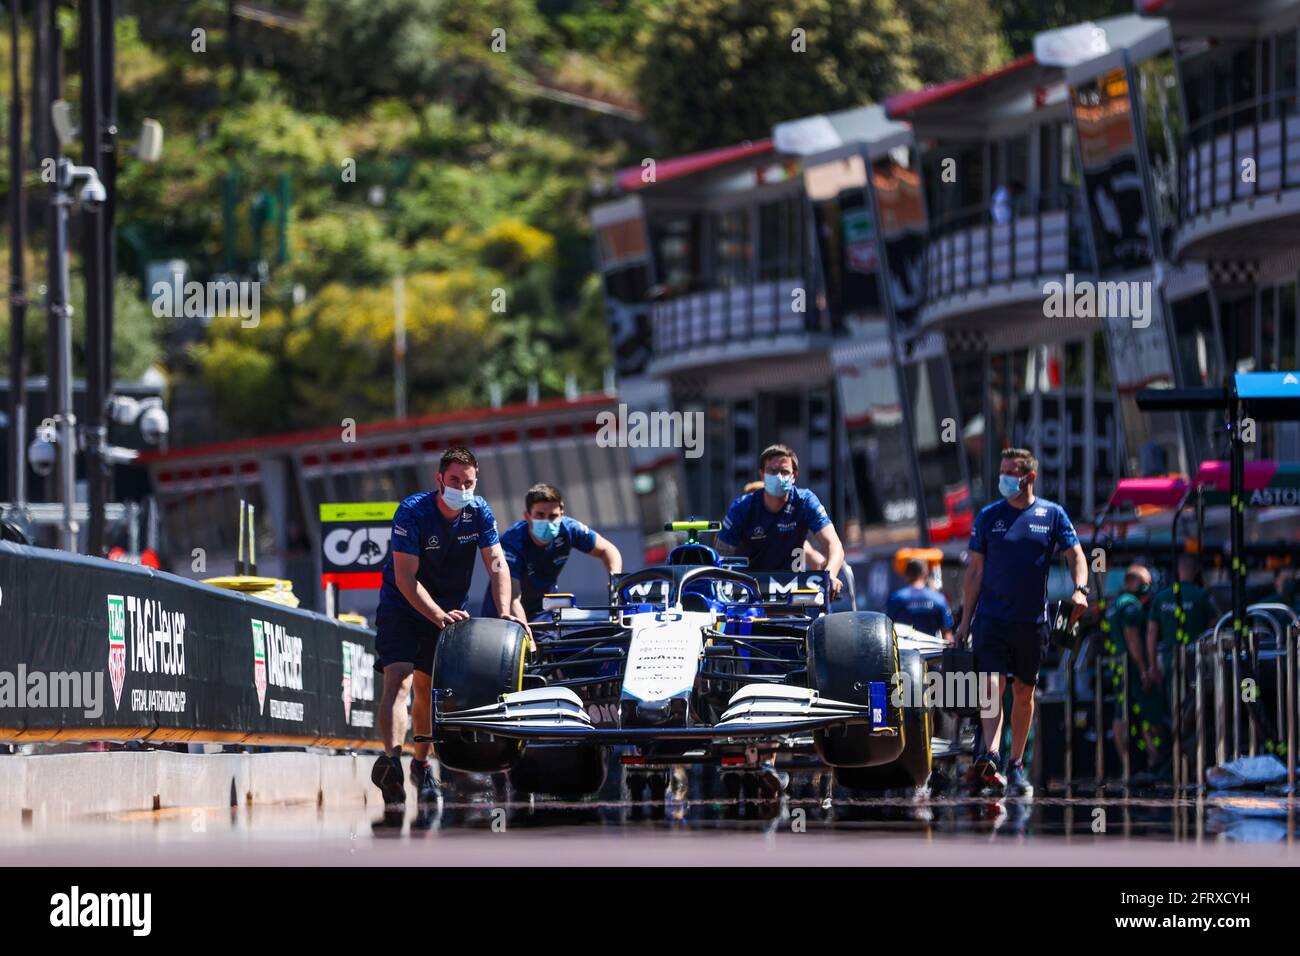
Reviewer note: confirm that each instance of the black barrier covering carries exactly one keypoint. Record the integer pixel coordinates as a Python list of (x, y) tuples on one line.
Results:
[(145, 653)]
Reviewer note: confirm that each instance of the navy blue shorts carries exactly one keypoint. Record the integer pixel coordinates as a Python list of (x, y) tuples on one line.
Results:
[(403, 637), (1009, 647)]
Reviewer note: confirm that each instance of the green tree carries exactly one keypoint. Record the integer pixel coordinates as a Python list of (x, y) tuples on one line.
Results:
[(719, 71), (954, 38), (356, 50), (1021, 19)]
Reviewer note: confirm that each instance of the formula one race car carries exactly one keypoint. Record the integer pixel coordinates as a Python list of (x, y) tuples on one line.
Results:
[(692, 661)]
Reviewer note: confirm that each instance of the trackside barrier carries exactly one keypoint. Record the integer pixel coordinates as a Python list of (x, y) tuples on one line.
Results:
[(99, 650), (1211, 670), (1221, 653)]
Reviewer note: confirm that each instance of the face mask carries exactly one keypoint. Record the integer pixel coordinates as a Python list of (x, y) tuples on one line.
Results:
[(545, 531), (1008, 485), (457, 498), (777, 485)]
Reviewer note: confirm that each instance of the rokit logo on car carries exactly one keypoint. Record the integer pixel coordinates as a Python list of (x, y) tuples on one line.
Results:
[(277, 662), (358, 684), (145, 637)]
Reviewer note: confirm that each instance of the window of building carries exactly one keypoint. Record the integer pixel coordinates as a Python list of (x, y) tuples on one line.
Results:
[(733, 248), (781, 238)]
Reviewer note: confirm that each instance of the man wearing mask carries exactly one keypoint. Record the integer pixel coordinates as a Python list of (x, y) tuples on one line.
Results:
[(1012, 545), (537, 548), (1141, 713), (769, 526), (425, 588)]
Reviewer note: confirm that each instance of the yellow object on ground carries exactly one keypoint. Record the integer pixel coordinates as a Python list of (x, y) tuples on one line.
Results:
[(275, 590)]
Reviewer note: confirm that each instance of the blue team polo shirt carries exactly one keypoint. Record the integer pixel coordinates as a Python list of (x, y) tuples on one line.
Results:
[(922, 608), (768, 538), (447, 549), (1018, 547), (536, 566)]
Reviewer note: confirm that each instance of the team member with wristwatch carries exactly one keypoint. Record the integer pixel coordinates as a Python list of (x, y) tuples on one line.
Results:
[(1012, 546)]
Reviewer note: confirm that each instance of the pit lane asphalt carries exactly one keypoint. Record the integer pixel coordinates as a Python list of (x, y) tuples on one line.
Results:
[(481, 825)]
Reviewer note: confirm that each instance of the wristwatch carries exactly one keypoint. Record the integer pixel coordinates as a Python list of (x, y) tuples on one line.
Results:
[(1084, 588)]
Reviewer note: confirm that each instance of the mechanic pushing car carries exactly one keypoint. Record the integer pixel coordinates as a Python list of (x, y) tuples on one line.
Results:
[(1012, 545), (537, 548), (426, 582), (918, 605), (768, 526)]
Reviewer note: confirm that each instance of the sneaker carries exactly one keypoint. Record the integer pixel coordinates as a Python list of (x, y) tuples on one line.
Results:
[(428, 792), (1018, 780), (386, 774), (772, 782), (984, 775)]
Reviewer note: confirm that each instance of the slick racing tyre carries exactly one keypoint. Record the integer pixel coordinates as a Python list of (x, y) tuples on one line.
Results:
[(912, 769), (846, 652), (560, 770), (477, 661)]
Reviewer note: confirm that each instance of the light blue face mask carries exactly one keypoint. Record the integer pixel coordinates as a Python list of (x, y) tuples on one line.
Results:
[(457, 498), (545, 531), (1009, 485), (777, 485)]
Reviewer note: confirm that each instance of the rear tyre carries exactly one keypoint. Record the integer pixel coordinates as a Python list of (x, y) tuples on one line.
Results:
[(561, 770), (478, 660), (912, 768), (846, 652)]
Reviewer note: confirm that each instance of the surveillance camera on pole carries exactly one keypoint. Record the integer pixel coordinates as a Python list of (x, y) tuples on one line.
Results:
[(154, 423), (43, 451)]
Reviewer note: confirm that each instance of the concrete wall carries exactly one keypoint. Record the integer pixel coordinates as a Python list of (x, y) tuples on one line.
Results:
[(57, 787)]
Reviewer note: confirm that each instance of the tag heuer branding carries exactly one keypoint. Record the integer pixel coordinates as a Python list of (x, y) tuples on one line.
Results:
[(358, 685), (277, 662), (146, 638)]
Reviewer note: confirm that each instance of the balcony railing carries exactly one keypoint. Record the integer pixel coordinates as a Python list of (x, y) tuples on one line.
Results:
[(748, 312), (968, 251), (1265, 130)]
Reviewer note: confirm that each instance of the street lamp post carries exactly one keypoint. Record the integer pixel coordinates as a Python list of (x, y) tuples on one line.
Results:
[(61, 311)]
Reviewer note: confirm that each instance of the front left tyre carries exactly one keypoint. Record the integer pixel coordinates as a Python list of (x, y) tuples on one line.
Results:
[(846, 653), (477, 661)]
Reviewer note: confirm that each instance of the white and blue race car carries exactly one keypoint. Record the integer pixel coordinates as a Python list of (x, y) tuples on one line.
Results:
[(693, 661)]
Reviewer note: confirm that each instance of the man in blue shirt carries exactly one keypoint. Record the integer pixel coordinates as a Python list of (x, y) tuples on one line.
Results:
[(537, 548), (769, 526), (425, 588), (918, 605), (1012, 545)]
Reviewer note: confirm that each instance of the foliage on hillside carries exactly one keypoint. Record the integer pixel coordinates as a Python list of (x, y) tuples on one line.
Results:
[(421, 138)]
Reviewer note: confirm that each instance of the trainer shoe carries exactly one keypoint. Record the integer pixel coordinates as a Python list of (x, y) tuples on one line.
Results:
[(386, 774), (984, 775), (427, 790), (772, 782), (1018, 780)]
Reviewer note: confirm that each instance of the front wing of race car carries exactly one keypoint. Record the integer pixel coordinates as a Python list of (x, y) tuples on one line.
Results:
[(756, 711)]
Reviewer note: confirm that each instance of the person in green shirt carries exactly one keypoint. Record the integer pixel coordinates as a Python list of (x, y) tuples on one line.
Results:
[(1140, 713), (1169, 626)]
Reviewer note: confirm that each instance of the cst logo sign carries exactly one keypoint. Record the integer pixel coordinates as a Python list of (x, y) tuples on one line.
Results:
[(351, 547)]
